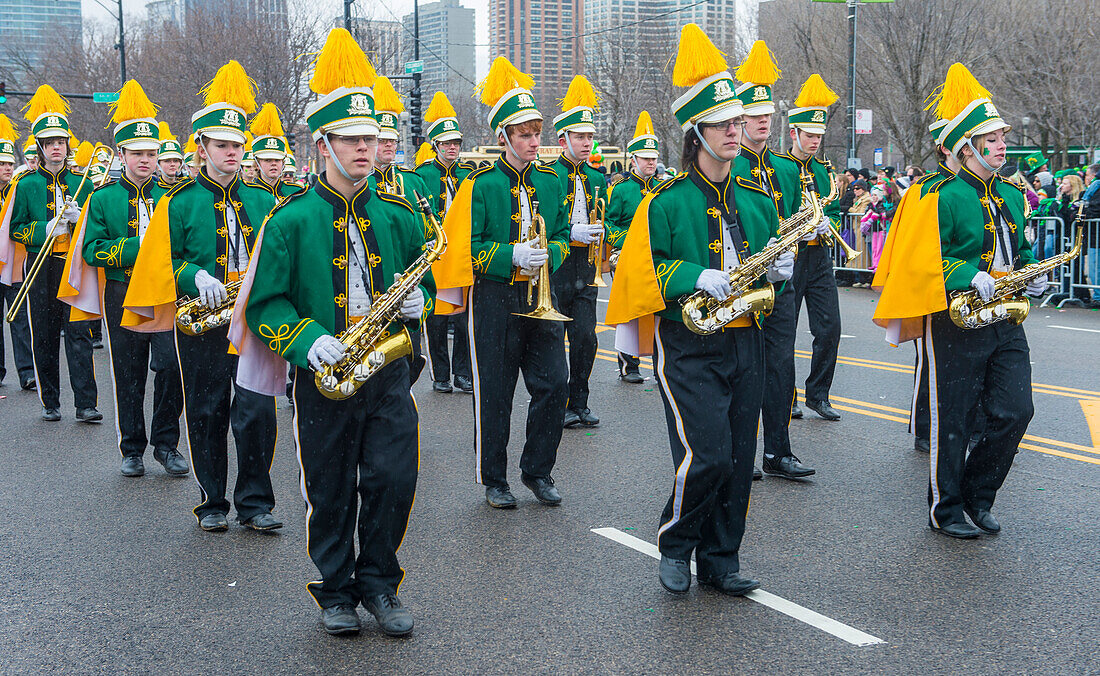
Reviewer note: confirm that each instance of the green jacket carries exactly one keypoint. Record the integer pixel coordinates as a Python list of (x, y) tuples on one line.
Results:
[(300, 290), (623, 200), (591, 181), (33, 209), (495, 216), (967, 236), (778, 174), (412, 183), (197, 225), (279, 190), (435, 177), (821, 173), (111, 237), (928, 180), (684, 220)]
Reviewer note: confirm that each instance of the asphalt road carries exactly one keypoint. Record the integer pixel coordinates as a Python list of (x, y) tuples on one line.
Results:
[(104, 574)]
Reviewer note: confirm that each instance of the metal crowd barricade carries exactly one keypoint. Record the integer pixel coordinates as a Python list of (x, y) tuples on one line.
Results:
[(1084, 271), (857, 269), (1053, 227)]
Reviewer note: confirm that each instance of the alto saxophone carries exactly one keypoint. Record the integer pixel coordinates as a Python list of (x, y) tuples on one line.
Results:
[(193, 318), (370, 344), (968, 311), (705, 314)]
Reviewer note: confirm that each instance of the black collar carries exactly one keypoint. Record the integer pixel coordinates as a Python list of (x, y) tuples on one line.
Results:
[(444, 169), (213, 186), (720, 193), (51, 177), (944, 171), (645, 182), (574, 167), (984, 188), (134, 188), (513, 175), (333, 196)]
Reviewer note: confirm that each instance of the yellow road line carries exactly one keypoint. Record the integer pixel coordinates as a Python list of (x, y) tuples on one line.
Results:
[(1092, 417), (1060, 454)]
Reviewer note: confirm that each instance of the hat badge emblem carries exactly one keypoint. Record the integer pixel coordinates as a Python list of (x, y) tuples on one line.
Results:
[(359, 105), (525, 101), (722, 90), (142, 129), (819, 116), (231, 118), (760, 94)]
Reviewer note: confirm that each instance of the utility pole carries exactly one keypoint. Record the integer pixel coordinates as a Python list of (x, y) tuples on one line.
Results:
[(347, 14), (415, 102), (121, 46), (853, 9)]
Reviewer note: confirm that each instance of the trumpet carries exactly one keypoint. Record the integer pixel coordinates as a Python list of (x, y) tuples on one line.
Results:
[(545, 308), (394, 187), (833, 237), (102, 157), (595, 250)]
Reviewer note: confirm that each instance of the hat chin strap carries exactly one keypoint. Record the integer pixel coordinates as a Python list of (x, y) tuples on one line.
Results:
[(703, 141), (981, 160), (569, 147), (798, 142), (508, 144), (336, 161)]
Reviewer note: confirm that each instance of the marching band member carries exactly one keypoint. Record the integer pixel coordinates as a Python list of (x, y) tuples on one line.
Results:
[(576, 296), (191, 160), (314, 277), (199, 240), (388, 107), (41, 201), (30, 157), (109, 237), (442, 174), (269, 152), (689, 234), (814, 280), (169, 158), (779, 177), (623, 199), (494, 214), (20, 332), (248, 161)]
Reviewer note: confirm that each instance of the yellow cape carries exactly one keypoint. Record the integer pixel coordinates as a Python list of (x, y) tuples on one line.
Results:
[(150, 303), (454, 271), (635, 290)]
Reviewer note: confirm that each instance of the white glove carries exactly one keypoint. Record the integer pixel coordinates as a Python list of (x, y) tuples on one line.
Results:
[(325, 351), (783, 267), (983, 284), (413, 304), (55, 228), (1037, 286), (70, 212), (211, 291), (715, 283), (586, 233), (823, 227), (527, 256), (810, 236)]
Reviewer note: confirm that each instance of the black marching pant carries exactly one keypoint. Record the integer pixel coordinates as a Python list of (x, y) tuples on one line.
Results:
[(132, 355), (20, 335), (359, 457), (919, 415), (712, 388), (213, 402), (988, 367), (815, 281), (575, 299), (48, 317), (779, 335), (439, 362), (502, 346)]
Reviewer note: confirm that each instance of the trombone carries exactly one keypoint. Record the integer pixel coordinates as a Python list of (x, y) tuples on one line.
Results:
[(545, 308), (98, 169), (595, 250)]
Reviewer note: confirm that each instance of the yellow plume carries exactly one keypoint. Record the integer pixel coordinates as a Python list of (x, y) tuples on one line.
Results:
[(439, 108), (73, 140), (31, 143), (249, 138), (45, 100), (132, 104), (759, 66), (815, 93), (7, 130), (233, 86), (425, 153), (341, 63), (83, 154), (503, 77), (959, 90), (266, 122), (165, 132), (644, 126), (386, 97), (697, 58), (190, 147), (580, 93)]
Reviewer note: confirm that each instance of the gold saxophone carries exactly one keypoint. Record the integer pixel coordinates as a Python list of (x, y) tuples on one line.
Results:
[(968, 311), (370, 344), (194, 319), (705, 314)]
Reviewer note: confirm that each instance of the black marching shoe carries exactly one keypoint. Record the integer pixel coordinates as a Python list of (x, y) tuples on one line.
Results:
[(922, 445), (88, 415), (962, 531), (796, 411), (674, 574), (443, 386), (572, 419), (587, 417), (133, 465), (984, 520), (262, 522), (340, 619), (733, 584), (464, 384), (214, 523), (632, 377), (544, 490), (173, 462), (393, 619), (500, 498), (823, 408), (757, 475), (28, 384), (97, 343), (51, 415), (788, 467)]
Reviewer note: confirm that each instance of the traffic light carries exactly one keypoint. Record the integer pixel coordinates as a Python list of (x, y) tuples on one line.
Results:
[(3, 93), (290, 141)]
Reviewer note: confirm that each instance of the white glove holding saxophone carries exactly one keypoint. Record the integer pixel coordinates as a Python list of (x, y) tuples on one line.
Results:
[(529, 258), (325, 351), (211, 291), (413, 304), (586, 233), (714, 283), (983, 283), (783, 267), (1037, 286)]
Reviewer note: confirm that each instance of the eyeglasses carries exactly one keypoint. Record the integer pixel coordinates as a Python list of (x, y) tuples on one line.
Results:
[(354, 141), (724, 126)]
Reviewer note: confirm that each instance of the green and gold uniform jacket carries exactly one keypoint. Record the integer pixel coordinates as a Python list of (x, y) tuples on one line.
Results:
[(777, 174), (591, 181), (926, 182), (412, 184), (34, 204), (111, 238), (300, 291), (435, 177), (820, 172), (495, 216), (198, 227), (685, 221), (623, 200), (967, 231), (279, 190)]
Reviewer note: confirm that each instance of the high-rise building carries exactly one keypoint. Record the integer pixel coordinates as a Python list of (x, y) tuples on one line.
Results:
[(382, 42), (446, 47), (26, 27), (541, 38), (177, 11)]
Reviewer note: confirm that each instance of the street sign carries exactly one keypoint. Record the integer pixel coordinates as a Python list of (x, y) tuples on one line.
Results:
[(863, 121), (104, 97), (878, 157), (400, 158), (414, 67)]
